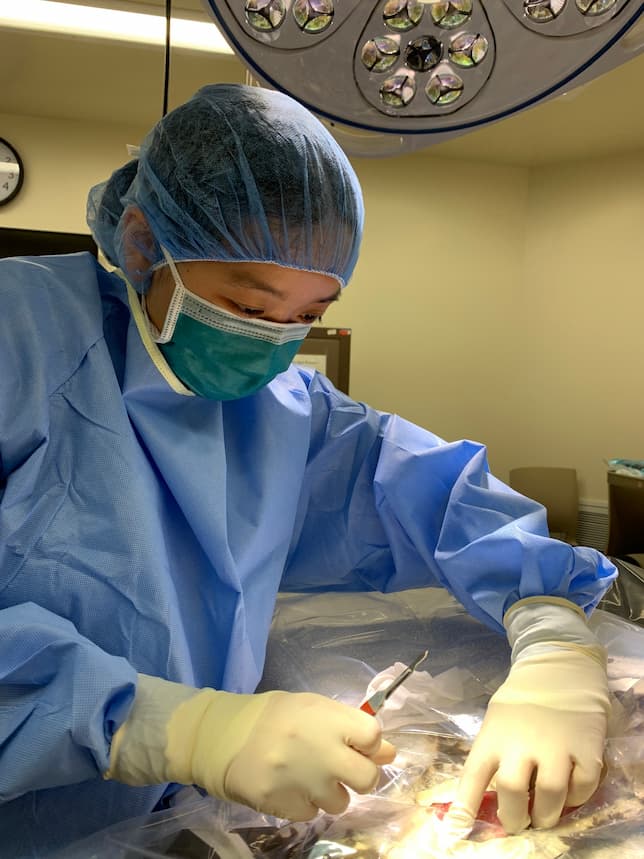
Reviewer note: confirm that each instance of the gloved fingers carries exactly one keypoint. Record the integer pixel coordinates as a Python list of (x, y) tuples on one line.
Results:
[(477, 773), (357, 771), (513, 781), (584, 781), (335, 799), (363, 733), (385, 754), (455, 826), (293, 806), (550, 791)]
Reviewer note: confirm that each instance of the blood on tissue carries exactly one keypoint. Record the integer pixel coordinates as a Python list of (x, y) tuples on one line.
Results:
[(487, 813)]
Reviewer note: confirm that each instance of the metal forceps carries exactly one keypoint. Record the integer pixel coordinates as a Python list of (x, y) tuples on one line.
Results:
[(376, 701)]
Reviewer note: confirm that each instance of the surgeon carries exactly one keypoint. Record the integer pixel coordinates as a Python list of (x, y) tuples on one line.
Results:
[(165, 471)]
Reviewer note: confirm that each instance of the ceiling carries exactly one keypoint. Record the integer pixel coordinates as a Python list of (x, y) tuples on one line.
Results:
[(75, 78)]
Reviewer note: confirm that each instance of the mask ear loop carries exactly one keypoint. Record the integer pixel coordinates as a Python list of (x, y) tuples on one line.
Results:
[(176, 302)]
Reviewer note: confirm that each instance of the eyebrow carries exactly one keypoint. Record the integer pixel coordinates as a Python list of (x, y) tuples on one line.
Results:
[(250, 282)]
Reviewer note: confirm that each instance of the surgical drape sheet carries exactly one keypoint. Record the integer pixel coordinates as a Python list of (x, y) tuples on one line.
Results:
[(146, 530)]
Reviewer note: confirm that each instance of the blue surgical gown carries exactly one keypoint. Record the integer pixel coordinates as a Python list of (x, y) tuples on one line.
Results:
[(144, 529)]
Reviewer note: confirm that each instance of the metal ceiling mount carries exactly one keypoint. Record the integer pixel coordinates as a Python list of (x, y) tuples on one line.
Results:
[(398, 75)]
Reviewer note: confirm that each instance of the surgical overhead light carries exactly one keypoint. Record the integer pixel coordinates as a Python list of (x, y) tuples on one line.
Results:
[(396, 75)]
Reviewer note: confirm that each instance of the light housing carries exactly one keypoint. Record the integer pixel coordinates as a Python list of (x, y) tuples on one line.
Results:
[(499, 57)]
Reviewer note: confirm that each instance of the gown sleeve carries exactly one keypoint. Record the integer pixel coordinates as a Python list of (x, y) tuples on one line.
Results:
[(61, 700), (61, 696), (387, 505)]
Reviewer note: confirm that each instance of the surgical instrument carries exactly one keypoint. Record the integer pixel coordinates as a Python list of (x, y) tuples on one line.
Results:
[(377, 700)]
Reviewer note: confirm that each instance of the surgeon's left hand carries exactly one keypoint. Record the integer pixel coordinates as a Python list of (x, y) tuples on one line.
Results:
[(544, 730)]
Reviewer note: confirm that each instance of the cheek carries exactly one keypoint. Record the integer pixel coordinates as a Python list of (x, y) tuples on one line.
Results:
[(157, 300)]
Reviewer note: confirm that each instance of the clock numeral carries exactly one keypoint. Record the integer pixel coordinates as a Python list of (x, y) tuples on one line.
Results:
[(10, 173)]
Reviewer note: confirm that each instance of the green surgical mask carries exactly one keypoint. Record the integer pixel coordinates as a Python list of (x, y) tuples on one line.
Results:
[(221, 356)]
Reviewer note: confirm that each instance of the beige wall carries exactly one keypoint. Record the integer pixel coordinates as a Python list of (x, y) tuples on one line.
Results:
[(63, 159), (495, 303), (533, 347), (581, 311), (431, 304)]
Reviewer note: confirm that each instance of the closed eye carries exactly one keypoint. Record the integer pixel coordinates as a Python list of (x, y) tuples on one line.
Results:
[(256, 312), (250, 311)]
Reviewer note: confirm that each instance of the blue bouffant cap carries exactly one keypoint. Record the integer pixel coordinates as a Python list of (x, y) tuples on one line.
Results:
[(237, 174)]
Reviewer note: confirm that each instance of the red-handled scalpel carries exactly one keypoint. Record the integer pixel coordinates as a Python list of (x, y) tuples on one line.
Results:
[(375, 702)]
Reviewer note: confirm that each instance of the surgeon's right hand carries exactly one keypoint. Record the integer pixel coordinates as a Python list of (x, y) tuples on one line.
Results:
[(287, 754)]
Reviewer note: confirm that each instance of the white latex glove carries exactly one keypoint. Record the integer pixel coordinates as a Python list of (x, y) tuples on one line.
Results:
[(544, 730), (285, 754)]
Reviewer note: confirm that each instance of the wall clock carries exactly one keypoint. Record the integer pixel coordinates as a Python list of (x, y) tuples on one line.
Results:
[(12, 172)]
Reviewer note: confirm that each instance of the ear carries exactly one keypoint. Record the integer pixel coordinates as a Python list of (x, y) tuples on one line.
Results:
[(138, 244)]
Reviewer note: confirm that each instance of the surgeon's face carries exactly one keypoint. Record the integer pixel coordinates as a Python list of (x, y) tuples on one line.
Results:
[(252, 290)]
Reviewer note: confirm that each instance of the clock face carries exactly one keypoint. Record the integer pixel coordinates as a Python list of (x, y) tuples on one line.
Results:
[(11, 172)]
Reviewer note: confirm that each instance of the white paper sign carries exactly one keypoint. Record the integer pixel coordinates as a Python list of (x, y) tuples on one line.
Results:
[(314, 362)]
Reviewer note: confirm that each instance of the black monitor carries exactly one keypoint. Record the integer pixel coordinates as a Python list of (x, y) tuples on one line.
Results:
[(328, 350), (21, 243)]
